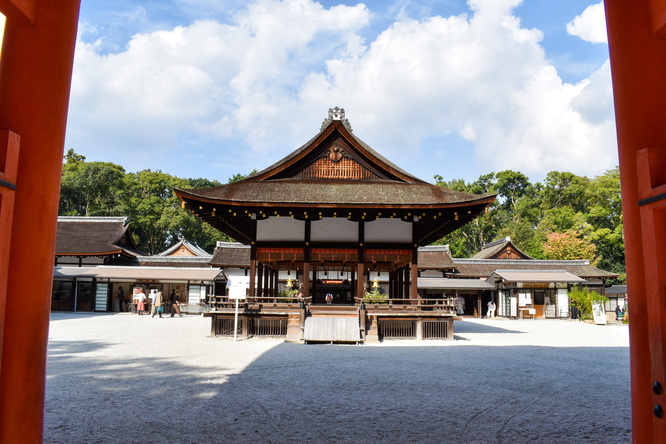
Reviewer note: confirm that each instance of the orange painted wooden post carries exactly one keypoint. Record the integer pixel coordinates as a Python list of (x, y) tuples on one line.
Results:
[(9, 152), (638, 65), (35, 77)]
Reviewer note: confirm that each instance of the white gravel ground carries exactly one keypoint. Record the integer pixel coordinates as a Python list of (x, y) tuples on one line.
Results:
[(123, 378)]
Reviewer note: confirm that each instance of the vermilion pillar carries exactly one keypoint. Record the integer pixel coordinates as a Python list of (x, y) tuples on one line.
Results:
[(638, 65), (35, 76)]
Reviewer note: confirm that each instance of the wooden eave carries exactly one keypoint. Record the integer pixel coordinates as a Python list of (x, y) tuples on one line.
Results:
[(434, 221), (100, 253)]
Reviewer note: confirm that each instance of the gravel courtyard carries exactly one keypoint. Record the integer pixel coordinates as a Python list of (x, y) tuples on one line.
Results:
[(123, 378)]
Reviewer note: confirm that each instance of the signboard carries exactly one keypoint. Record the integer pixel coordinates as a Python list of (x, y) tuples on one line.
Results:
[(237, 286), (599, 312), (237, 292), (514, 307), (536, 285)]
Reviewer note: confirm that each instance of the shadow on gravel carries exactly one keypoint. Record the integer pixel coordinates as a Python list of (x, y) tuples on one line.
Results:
[(326, 393), (69, 315), (475, 327)]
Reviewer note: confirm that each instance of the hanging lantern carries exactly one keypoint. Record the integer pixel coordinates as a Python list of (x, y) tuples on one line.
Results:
[(375, 283), (290, 283)]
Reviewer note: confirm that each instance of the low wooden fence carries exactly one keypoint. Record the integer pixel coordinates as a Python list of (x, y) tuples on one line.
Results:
[(408, 328), (274, 327)]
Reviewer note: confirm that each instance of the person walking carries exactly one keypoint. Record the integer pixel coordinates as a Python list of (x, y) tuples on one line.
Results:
[(460, 305), (157, 304), (141, 302), (175, 305), (490, 309), (121, 299)]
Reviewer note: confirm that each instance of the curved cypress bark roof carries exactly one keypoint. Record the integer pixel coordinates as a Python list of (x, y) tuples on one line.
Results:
[(94, 236), (335, 174)]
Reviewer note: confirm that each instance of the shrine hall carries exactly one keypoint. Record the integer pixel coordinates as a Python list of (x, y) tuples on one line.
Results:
[(325, 219)]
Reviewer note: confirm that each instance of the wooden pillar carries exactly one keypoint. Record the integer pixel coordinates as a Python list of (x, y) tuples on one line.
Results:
[(35, 78), (390, 285), (276, 277), (360, 290), (399, 285), (267, 275), (253, 271), (636, 31), (260, 279), (306, 279), (314, 282), (360, 266), (406, 286), (415, 274), (353, 284)]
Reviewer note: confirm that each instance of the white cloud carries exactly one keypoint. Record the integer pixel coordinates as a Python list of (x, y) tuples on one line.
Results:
[(210, 80), (246, 93), (484, 77), (590, 25)]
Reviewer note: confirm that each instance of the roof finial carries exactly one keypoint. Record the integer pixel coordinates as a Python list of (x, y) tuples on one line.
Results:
[(336, 113)]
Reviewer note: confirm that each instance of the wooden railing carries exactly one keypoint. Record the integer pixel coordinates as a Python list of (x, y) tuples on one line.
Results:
[(257, 302), (418, 304), (278, 302)]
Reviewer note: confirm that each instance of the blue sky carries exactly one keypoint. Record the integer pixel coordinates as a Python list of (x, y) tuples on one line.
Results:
[(208, 88)]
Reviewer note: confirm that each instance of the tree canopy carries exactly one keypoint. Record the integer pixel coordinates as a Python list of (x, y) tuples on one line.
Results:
[(565, 217)]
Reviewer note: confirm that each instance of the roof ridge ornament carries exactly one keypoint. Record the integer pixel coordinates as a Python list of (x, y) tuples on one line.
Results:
[(336, 113)]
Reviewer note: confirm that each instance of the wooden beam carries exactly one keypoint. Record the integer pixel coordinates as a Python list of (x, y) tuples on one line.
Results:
[(19, 10)]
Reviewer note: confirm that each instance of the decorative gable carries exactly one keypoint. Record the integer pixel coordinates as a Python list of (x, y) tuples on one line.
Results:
[(336, 162), (334, 154)]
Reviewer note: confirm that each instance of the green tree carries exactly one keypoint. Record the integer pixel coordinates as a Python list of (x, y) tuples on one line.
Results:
[(89, 188), (511, 186), (582, 299), (146, 196), (238, 176), (565, 190), (468, 239), (568, 246)]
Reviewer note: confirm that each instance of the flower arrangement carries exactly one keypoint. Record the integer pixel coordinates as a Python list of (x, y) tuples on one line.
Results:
[(375, 297)]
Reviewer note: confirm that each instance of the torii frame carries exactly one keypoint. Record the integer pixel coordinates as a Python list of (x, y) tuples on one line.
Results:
[(39, 40), (35, 77)]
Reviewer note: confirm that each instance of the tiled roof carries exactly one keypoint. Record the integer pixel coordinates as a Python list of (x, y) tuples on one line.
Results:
[(435, 257), (485, 267), (190, 246), (338, 193), (94, 236), (231, 255), (617, 289), (493, 249), (369, 182), (173, 261)]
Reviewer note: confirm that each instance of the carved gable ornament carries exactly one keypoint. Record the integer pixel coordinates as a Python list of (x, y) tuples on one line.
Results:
[(335, 152)]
